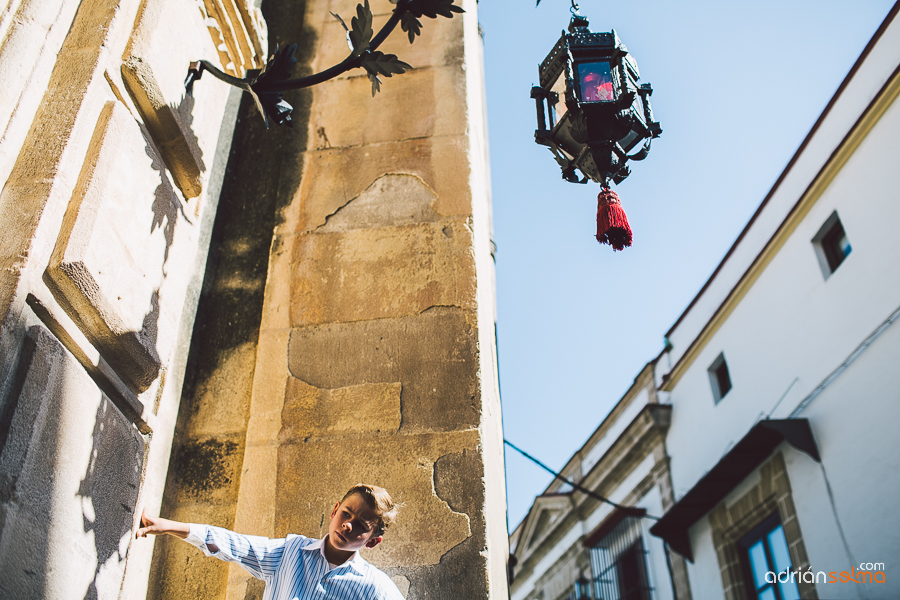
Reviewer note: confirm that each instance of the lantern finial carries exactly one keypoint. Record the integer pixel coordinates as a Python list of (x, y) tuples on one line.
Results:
[(578, 23)]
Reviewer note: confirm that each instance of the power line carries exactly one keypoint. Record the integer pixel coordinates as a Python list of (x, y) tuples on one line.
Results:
[(578, 487)]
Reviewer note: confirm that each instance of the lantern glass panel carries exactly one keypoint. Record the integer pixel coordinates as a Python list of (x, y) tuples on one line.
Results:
[(559, 109), (596, 82)]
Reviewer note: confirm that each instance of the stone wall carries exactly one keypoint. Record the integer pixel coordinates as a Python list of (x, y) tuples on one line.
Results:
[(111, 177), (373, 357)]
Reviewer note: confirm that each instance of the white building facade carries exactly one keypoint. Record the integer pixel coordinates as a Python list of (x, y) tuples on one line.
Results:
[(784, 363), (780, 379)]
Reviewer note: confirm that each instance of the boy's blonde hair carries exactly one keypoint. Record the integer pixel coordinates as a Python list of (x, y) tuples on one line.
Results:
[(379, 501)]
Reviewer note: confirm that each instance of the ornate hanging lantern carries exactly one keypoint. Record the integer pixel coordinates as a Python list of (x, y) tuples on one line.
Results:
[(591, 113)]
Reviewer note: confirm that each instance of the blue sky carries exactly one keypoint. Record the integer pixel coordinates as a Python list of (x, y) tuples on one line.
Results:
[(737, 86)]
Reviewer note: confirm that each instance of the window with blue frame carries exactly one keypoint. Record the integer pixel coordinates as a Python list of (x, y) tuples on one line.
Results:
[(765, 555)]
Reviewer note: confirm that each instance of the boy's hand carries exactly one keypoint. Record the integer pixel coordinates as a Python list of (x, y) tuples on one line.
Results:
[(159, 526)]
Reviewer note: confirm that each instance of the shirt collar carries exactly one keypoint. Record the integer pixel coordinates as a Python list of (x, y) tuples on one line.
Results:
[(356, 561)]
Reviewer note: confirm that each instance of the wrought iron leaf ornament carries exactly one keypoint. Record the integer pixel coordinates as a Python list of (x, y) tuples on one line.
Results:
[(268, 87), (346, 29), (433, 8), (377, 63), (277, 69), (410, 22), (361, 28), (411, 25)]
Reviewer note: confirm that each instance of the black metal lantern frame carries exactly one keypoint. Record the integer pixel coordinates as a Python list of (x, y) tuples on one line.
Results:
[(591, 111)]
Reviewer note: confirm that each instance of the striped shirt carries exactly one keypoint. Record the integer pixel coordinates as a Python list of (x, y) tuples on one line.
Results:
[(295, 568)]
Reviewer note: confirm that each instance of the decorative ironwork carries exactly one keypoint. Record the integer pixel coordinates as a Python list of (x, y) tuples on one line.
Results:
[(268, 86), (591, 111)]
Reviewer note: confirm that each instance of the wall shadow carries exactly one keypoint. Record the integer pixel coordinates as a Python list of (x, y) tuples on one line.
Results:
[(109, 489), (40, 496), (262, 176), (18, 578)]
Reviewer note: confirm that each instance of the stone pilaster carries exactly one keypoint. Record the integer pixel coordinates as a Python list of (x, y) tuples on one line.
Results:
[(376, 356)]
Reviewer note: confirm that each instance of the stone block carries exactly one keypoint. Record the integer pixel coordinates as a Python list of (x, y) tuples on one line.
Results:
[(48, 156), (236, 33), (433, 356), (221, 399), (255, 514), (109, 260), (270, 377), (381, 273), (393, 200), (791, 529), (27, 30), (70, 470), (418, 103), (319, 13), (333, 177), (384, 254), (427, 527), (356, 409), (168, 35), (380, 8), (208, 470)]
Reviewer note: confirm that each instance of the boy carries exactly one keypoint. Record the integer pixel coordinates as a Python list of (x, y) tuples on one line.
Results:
[(298, 567)]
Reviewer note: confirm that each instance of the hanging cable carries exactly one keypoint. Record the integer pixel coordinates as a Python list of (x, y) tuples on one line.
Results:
[(578, 487)]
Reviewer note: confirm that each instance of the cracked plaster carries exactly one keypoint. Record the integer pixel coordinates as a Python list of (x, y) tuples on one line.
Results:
[(433, 355)]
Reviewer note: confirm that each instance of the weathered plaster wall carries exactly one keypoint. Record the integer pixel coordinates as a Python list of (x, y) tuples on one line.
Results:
[(362, 347), (205, 467), (373, 364)]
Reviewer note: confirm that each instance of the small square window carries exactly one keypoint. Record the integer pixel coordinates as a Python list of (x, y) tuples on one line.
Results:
[(832, 245), (719, 378)]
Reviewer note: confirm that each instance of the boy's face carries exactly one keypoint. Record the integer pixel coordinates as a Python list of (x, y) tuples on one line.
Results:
[(352, 525)]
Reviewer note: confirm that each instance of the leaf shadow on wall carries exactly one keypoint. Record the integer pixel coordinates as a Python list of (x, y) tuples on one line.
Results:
[(109, 489)]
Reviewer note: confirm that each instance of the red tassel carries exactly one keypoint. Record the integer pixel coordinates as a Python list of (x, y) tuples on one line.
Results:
[(612, 224)]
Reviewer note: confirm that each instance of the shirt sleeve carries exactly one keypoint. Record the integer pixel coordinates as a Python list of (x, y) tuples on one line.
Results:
[(260, 556)]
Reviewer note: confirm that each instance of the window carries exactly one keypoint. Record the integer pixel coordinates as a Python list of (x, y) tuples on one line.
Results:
[(831, 244), (619, 563), (764, 551), (719, 378), (596, 82)]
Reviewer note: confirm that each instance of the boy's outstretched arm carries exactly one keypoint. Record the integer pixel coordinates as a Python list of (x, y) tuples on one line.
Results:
[(258, 555), (159, 526)]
